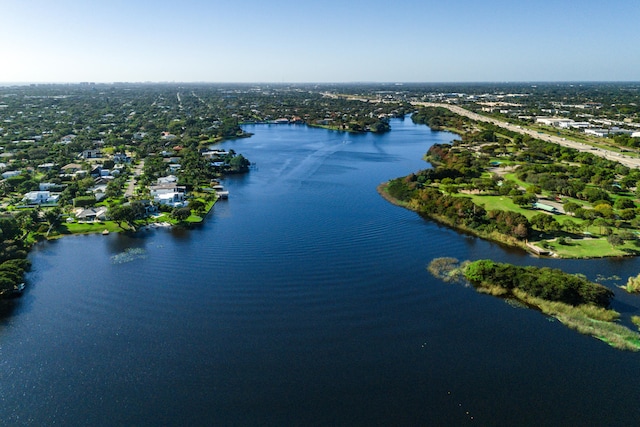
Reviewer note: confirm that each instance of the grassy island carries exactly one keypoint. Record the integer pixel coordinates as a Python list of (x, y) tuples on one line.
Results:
[(523, 192), (576, 302)]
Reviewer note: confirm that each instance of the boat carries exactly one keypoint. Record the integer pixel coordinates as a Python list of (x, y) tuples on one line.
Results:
[(17, 289), (105, 232)]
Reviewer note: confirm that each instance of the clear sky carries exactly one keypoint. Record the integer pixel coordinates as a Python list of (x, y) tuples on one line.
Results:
[(323, 41)]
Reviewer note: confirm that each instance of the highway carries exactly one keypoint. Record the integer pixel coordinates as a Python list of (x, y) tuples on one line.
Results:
[(611, 155)]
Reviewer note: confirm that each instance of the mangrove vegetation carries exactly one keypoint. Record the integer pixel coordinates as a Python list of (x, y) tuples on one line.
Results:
[(573, 300)]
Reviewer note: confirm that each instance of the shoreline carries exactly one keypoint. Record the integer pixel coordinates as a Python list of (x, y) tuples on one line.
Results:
[(500, 239), (494, 237)]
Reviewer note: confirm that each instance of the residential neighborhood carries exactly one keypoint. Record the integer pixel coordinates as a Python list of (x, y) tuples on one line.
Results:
[(116, 157)]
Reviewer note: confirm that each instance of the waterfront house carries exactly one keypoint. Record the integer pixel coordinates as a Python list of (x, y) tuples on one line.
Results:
[(214, 154), (170, 194), (91, 214), (175, 199)]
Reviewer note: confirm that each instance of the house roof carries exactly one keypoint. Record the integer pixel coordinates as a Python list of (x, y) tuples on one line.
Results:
[(90, 212), (72, 166)]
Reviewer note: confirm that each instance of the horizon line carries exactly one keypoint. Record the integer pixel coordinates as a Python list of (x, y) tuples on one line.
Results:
[(363, 82)]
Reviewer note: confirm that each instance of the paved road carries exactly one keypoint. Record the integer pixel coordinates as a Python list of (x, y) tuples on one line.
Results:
[(611, 155), (131, 185)]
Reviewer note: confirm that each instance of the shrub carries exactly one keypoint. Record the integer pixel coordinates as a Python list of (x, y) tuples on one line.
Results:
[(83, 201)]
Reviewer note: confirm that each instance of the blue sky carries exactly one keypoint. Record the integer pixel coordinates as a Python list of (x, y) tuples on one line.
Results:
[(329, 41)]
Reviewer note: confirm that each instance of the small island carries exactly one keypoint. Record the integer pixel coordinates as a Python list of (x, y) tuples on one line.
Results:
[(523, 192), (576, 302)]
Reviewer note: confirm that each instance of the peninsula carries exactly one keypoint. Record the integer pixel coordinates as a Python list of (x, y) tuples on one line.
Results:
[(518, 190)]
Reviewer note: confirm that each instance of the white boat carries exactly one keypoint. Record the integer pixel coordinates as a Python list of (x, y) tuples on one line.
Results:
[(17, 289)]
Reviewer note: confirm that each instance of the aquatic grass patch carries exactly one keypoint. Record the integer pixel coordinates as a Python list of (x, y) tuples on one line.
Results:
[(633, 285), (129, 255), (493, 290), (555, 308), (448, 269)]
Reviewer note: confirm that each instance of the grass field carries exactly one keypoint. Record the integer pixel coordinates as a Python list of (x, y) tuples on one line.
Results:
[(578, 246), (592, 248), (86, 228)]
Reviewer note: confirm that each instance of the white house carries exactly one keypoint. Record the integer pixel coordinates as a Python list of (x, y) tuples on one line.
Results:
[(170, 194), (167, 179), (90, 154), (175, 199), (214, 154), (40, 197)]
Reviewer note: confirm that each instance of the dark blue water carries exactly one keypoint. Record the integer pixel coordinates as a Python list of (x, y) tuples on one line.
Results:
[(303, 300)]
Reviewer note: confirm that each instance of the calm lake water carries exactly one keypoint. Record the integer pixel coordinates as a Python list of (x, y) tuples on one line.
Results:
[(303, 300)]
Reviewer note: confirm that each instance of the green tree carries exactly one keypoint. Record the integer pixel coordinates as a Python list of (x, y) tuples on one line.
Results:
[(525, 199), (601, 223), (198, 206), (239, 163), (52, 217), (570, 207), (122, 214), (615, 240), (624, 203), (181, 214), (544, 222)]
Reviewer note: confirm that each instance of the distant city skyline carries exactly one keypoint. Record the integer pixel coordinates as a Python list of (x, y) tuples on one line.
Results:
[(291, 42)]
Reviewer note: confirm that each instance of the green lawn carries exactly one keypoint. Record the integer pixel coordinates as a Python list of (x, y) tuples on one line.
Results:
[(92, 227), (503, 203), (591, 248)]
